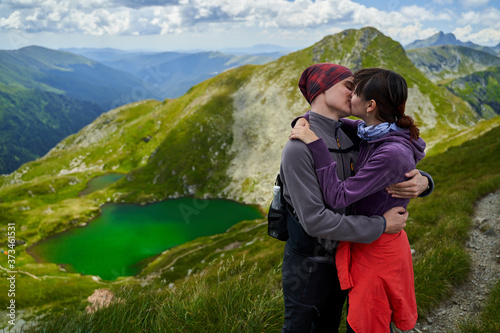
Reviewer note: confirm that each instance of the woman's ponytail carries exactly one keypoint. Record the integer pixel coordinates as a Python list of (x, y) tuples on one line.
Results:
[(405, 121)]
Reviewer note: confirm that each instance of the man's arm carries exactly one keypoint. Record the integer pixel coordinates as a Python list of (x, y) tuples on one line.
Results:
[(303, 193), (420, 185)]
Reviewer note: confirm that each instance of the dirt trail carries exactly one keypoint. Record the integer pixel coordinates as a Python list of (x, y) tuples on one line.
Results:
[(469, 298)]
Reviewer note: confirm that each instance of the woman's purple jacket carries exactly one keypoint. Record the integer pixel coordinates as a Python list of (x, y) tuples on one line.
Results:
[(381, 163)]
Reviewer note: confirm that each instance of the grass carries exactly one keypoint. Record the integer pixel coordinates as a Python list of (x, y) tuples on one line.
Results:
[(201, 121), (239, 290), (234, 295), (439, 225)]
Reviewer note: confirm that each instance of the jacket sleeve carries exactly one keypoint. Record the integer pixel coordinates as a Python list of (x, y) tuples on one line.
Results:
[(431, 185), (350, 125), (302, 191), (384, 168)]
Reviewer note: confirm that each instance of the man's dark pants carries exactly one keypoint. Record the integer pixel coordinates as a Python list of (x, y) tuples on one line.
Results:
[(312, 294)]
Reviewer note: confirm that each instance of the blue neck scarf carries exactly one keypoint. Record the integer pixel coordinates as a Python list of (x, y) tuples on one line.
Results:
[(369, 133)]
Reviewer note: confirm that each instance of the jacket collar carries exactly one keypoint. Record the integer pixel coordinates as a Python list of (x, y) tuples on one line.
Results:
[(325, 124)]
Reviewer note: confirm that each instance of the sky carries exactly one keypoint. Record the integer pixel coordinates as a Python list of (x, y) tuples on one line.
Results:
[(173, 25)]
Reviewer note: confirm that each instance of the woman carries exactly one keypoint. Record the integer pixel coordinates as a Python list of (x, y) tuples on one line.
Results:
[(379, 275)]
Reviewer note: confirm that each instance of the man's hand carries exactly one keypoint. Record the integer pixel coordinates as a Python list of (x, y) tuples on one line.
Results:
[(396, 220), (411, 188)]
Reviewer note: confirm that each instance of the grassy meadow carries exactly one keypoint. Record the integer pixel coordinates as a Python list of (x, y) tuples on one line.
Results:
[(231, 282), (208, 285)]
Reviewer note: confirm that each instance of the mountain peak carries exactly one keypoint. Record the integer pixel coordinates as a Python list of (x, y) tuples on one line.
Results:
[(441, 39), (437, 39), (355, 48)]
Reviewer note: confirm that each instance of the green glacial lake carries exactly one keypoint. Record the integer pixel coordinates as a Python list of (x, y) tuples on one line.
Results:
[(115, 243), (101, 182)]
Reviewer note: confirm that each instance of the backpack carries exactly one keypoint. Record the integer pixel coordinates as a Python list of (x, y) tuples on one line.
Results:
[(278, 213), (277, 223)]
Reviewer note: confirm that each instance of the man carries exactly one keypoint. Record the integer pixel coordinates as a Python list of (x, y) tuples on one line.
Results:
[(312, 295)]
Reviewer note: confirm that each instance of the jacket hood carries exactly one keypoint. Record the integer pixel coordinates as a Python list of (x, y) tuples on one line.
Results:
[(404, 137)]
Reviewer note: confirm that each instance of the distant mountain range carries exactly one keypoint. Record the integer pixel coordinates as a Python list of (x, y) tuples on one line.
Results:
[(36, 83), (65, 73), (449, 39), (468, 70), (171, 74), (49, 94), (445, 62)]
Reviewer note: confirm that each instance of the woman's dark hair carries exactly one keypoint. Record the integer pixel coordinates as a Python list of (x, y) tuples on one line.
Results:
[(390, 91)]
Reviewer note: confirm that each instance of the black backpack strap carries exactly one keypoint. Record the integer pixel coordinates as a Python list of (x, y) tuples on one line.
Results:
[(341, 151)]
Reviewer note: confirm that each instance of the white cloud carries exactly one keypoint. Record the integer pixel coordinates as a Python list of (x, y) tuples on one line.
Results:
[(462, 33), (489, 18), (14, 21), (488, 36), (282, 17), (422, 14), (410, 33), (97, 16)]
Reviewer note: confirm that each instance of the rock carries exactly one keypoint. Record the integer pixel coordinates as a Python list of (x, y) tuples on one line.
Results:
[(442, 312), (490, 232), (101, 298), (19, 241)]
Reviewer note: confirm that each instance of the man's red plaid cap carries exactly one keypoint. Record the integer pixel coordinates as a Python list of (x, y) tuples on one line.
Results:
[(320, 77)]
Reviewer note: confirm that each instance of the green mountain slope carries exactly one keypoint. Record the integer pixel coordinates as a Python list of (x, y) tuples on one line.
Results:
[(47, 95), (233, 281), (34, 121), (246, 109), (448, 62), (222, 139), (481, 90), (77, 77)]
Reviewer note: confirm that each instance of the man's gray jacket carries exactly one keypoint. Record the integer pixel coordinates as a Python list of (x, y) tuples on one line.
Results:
[(301, 188)]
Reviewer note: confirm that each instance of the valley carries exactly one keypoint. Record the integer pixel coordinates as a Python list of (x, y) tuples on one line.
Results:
[(222, 139)]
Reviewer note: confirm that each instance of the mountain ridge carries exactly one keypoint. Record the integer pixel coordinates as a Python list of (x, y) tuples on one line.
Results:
[(54, 94), (441, 38), (223, 139), (444, 62), (36, 67), (244, 108)]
